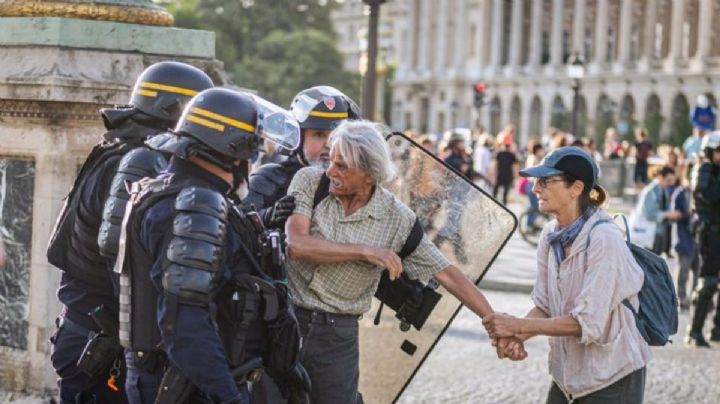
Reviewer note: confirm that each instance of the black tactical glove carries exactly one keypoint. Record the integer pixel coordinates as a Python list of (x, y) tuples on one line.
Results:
[(275, 216)]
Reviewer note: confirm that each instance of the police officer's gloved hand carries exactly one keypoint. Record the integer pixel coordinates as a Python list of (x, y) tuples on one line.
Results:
[(275, 216)]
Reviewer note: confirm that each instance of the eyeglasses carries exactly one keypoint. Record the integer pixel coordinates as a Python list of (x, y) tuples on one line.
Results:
[(544, 182)]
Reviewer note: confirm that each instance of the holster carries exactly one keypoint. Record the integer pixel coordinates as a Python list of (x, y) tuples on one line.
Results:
[(175, 388), (103, 348), (99, 354)]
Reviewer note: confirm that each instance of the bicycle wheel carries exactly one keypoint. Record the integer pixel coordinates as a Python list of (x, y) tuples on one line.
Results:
[(530, 232)]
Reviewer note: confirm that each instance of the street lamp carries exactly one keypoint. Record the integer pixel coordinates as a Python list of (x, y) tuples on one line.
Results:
[(368, 94), (576, 71)]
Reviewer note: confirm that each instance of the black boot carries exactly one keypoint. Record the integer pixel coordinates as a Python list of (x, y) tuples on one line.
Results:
[(702, 299)]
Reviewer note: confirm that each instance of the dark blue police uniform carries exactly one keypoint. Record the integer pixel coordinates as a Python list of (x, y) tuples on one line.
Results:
[(199, 334)]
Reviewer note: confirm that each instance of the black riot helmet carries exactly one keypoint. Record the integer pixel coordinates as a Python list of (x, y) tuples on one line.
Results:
[(164, 88), (323, 107), (225, 126)]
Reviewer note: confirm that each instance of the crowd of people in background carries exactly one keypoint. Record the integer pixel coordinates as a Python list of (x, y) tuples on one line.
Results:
[(659, 185)]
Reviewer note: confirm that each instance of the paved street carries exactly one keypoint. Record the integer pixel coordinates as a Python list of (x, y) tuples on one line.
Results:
[(464, 369)]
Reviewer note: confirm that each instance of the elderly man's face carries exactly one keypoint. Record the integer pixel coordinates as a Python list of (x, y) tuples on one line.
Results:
[(315, 146), (346, 181)]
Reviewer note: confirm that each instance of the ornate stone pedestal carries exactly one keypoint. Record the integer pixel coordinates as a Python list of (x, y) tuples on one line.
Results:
[(60, 62)]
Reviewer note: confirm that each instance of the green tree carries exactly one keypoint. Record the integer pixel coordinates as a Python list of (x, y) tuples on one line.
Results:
[(286, 63), (277, 47), (240, 25)]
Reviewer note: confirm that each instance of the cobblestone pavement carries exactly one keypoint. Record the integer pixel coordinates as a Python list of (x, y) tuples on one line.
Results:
[(463, 367)]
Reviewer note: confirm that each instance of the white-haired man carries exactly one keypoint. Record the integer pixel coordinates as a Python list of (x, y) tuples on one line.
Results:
[(338, 249)]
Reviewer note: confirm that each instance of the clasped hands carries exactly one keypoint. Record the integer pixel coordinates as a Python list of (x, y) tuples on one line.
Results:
[(504, 330)]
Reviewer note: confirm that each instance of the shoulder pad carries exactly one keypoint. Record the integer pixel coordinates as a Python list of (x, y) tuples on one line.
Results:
[(137, 163), (274, 173), (266, 184), (194, 255), (202, 200), (143, 162)]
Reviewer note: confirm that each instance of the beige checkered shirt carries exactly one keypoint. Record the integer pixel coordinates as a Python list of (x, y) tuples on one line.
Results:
[(349, 287)]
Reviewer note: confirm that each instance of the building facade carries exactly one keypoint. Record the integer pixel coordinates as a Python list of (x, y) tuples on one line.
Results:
[(645, 63)]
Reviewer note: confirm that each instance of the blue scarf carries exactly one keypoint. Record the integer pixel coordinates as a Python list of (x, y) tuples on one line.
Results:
[(564, 237)]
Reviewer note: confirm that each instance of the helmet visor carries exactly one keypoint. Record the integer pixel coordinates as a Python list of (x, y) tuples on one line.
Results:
[(276, 124), (304, 103)]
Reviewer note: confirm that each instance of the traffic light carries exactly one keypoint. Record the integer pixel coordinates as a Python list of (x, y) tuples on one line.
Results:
[(479, 91)]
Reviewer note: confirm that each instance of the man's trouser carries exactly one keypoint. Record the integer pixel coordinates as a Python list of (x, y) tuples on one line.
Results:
[(709, 278), (75, 386), (142, 384), (330, 355)]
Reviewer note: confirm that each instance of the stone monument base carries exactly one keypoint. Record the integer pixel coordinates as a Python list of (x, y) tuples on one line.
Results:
[(55, 74)]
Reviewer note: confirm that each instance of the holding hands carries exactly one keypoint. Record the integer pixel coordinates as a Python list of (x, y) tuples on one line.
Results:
[(504, 330)]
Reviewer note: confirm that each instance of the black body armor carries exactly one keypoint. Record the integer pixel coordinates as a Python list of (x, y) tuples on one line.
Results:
[(707, 184), (73, 245), (139, 163), (270, 182)]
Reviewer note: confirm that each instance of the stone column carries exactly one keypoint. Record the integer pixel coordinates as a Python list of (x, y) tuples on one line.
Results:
[(496, 36), (441, 37), (534, 58), (461, 53), (578, 44), (626, 17), (410, 42), (601, 35), (516, 33), (704, 40), (483, 33), (647, 54), (556, 35), (676, 48), (425, 42)]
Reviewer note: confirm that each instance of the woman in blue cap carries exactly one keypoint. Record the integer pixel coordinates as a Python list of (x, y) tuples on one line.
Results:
[(597, 354)]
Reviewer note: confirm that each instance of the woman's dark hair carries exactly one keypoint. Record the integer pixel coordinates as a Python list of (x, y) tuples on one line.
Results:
[(667, 170), (591, 197)]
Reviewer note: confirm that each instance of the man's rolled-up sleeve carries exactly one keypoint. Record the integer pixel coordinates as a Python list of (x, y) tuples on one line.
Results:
[(303, 187), (425, 261)]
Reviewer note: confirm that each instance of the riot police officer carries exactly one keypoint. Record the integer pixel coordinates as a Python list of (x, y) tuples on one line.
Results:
[(318, 110), (194, 302), (155, 105), (706, 197)]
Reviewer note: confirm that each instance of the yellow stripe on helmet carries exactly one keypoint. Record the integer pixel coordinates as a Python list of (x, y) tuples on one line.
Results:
[(206, 123), (169, 89), (336, 115), (147, 93), (220, 118)]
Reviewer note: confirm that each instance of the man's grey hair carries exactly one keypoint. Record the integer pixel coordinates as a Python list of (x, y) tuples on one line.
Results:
[(362, 146)]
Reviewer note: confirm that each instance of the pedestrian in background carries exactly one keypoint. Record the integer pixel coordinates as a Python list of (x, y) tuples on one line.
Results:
[(505, 167), (682, 240), (643, 149), (483, 156), (613, 147), (650, 221), (536, 152), (597, 354)]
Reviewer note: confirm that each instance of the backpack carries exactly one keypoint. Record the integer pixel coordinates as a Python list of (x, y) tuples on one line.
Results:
[(657, 318), (411, 300)]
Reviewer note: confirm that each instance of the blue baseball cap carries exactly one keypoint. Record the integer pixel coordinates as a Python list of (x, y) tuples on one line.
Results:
[(570, 160)]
